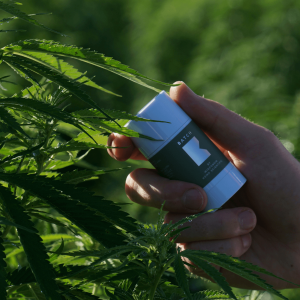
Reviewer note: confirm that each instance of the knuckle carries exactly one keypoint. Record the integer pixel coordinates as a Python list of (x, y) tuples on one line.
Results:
[(226, 226), (236, 247)]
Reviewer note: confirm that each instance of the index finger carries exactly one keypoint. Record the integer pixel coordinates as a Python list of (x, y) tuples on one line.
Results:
[(126, 150)]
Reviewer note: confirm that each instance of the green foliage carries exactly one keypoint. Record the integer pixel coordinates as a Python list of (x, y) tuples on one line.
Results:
[(34, 249), (3, 283), (212, 272), (19, 14), (101, 245), (181, 276), (91, 57)]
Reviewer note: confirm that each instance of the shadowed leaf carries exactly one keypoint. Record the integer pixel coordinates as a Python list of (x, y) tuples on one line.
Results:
[(33, 246)]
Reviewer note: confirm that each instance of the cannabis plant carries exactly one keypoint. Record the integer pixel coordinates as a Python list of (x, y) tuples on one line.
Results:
[(100, 250)]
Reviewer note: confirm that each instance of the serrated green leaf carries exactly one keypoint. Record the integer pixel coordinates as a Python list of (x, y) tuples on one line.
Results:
[(9, 223), (23, 72), (210, 271), (20, 276), (11, 121), (32, 90), (52, 74), (3, 274), (79, 206), (58, 251), (15, 18), (104, 254), (44, 108), (181, 276), (78, 293), (22, 153), (85, 55), (24, 275), (119, 294), (46, 219), (245, 264), (6, 129), (111, 127), (212, 295), (76, 146), (37, 291), (17, 13), (76, 176), (56, 237), (34, 249), (236, 266), (64, 68), (97, 136), (116, 114)]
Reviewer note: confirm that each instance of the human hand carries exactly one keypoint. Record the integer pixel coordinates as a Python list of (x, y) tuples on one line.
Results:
[(270, 198)]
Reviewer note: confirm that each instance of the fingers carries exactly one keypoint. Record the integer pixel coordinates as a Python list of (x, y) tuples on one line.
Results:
[(235, 247), (228, 129), (122, 153), (146, 187), (221, 225)]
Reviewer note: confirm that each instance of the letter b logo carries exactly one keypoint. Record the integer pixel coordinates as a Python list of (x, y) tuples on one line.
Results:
[(198, 155)]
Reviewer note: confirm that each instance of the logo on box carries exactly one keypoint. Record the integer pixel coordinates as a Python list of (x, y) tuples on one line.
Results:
[(198, 155)]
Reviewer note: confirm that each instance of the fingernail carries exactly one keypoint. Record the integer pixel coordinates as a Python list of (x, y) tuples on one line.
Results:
[(246, 219), (193, 200), (246, 240)]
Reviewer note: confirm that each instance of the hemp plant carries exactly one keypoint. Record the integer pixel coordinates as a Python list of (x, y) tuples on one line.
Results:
[(101, 252)]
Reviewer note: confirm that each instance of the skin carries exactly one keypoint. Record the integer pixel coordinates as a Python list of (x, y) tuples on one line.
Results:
[(260, 223)]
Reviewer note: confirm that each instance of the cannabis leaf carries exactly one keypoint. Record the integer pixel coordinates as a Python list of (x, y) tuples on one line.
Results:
[(32, 243), (236, 266), (21, 15), (91, 57), (181, 276), (2, 269)]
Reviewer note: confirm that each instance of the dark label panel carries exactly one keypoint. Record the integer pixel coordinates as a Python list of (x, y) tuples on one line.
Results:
[(190, 157)]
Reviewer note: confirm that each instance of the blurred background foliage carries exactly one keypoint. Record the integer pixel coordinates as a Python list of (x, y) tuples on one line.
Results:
[(243, 54)]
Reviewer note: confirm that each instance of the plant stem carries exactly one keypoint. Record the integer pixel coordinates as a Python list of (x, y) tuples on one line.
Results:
[(158, 277), (155, 284)]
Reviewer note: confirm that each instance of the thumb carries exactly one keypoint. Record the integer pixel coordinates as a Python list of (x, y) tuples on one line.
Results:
[(226, 128)]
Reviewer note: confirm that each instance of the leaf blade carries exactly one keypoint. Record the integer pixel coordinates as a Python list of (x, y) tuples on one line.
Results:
[(34, 249), (3, 274), (44, 108), (64, 68), (181, 276), (11, 121), (55, 76), (212, 272), (63, 197), (17, 13), (9, 223), (91, 57), (236, 266)]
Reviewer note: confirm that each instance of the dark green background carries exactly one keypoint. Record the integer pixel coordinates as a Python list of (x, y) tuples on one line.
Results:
[(244, 54)]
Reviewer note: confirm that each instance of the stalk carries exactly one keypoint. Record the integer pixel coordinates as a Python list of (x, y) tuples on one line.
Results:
[(158, 277)]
